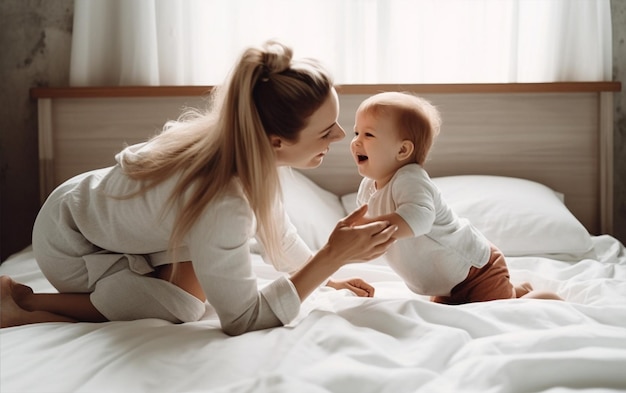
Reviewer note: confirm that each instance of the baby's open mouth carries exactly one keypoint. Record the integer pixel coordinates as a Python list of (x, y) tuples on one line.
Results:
[(361, 158)]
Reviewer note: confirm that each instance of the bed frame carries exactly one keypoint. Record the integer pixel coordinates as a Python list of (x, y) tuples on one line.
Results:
[(559, 134)]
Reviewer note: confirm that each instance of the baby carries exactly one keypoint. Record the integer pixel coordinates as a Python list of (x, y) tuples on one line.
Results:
[(437, 253)]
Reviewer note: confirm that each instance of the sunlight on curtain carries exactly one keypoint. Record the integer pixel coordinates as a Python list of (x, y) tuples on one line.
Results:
[(195, 42)]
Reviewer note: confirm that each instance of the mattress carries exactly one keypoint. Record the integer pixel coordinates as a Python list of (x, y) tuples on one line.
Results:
[(396, 341)]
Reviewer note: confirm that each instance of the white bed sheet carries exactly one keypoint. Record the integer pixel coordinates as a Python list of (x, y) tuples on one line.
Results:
[(395, 342)]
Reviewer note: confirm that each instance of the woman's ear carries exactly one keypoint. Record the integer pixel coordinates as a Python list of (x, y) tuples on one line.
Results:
[(276, 141), (406, 150)]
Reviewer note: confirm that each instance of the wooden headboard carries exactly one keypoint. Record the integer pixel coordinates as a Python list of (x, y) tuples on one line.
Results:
[(559, 134)]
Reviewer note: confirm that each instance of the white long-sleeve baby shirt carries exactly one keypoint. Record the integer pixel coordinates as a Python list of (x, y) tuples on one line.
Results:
[(443, 247)]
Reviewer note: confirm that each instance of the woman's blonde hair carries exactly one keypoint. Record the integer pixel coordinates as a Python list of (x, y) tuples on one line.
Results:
[(267, 93), (416, 119)]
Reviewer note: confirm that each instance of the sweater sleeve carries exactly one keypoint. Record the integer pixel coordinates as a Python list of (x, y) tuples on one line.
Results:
[(295, 251), (219, 248)]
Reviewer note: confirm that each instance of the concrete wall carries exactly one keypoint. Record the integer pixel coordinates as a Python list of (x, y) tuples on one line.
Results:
[(35, 37), (618, 16)]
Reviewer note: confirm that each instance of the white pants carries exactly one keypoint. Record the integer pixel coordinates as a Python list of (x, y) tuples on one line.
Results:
[(120, 285)]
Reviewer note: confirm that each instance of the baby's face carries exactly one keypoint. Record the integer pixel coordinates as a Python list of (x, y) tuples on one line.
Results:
[(375, 147)]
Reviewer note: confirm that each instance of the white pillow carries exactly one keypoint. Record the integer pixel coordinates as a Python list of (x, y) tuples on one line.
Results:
[(312, 210), (349, 202), (521, 217)]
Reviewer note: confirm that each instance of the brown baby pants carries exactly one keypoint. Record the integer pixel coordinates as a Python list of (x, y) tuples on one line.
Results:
[(490, 282)]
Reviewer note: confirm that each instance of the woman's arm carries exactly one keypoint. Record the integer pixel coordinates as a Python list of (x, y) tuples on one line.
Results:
[(221, 261), (349, 242)]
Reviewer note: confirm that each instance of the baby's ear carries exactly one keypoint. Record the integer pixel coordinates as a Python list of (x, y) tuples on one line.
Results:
[(406, 150)]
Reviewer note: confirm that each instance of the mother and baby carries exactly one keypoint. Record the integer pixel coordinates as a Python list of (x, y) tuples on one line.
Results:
[(168, 227)]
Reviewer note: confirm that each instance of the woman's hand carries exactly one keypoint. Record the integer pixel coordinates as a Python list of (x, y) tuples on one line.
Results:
[(356, 285), (347, 243), (354, 242), (404, 230)]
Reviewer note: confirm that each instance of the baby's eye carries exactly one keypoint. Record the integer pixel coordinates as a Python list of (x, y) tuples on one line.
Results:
[(325, 136)]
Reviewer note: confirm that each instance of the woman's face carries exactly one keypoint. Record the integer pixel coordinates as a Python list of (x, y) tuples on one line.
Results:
[(314, 142)]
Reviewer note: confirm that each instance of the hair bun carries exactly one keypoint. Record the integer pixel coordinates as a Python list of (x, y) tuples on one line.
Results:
[(276, 57)]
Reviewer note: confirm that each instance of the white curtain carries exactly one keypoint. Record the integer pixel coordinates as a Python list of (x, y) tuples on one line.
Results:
[(195, 42)]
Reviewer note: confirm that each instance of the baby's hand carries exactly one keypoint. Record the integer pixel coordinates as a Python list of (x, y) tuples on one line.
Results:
[(356, 285)]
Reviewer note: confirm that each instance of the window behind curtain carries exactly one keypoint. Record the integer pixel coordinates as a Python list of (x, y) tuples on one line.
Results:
[(195, 42)]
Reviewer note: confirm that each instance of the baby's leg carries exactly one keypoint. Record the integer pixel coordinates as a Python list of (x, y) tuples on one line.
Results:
[(525, 290)]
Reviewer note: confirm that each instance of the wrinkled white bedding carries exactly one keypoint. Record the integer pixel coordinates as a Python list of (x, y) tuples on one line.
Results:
[(395, 342)]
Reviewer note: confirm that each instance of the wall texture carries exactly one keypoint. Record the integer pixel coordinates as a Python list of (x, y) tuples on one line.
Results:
[(35, 36), (618, 16)]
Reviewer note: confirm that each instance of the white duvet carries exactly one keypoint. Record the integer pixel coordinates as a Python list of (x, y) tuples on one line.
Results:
[(395, 342)]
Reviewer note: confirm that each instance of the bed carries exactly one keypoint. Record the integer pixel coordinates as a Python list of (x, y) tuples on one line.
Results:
[(529, 164)]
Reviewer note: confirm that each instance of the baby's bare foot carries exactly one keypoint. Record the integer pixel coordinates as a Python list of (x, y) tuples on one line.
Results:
[(523, 289), (11, 294), (526, 291)]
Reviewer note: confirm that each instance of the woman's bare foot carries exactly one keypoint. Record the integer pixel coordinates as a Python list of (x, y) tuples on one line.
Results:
[(13, 312), (11, 293)]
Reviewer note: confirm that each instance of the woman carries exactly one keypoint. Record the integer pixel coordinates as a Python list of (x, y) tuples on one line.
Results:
[(169, 225)]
